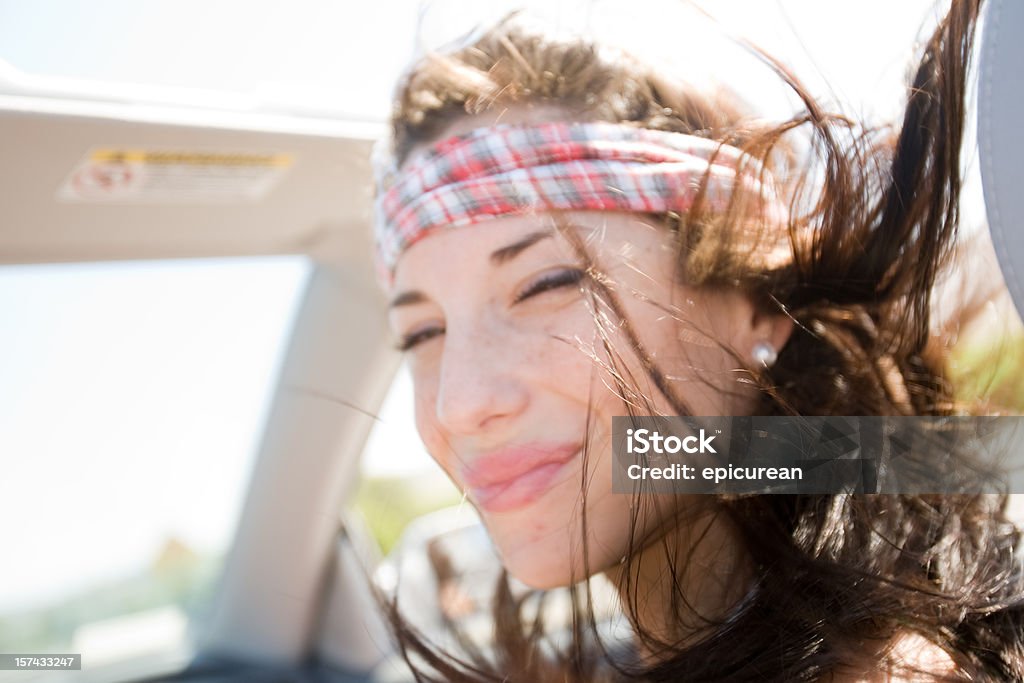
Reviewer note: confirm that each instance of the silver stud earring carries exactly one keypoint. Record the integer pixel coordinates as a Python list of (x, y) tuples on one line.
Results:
[(764, 354)]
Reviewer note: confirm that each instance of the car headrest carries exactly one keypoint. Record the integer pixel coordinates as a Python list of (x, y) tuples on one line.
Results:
[(1001, 137)]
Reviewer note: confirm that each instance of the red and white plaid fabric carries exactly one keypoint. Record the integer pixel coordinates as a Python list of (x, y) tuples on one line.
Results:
[(516, 169)]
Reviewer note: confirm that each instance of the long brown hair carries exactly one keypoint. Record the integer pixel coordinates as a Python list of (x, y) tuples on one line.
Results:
[(836, 578)]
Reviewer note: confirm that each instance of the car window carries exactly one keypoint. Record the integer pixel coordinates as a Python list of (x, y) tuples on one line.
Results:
[(132, 406)]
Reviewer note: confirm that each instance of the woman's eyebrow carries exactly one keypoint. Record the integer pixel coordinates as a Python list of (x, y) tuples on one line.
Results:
[(506, 254), (408, 298), (498, 257)]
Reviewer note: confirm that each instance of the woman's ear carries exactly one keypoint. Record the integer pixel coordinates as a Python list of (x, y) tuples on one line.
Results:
[(764, 332), (771, 327), (754, 332)]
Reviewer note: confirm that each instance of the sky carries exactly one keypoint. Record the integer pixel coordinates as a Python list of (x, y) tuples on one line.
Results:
[(341, 58), (100, 364)]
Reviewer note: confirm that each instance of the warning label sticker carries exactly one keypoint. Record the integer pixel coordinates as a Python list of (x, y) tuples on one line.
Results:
[(168, 176)]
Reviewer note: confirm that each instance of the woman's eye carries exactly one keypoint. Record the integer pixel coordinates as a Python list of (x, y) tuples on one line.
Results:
[(413, 339), (555, 280)]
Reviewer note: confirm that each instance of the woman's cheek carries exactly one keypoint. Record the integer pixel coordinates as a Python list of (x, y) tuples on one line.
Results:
[(430, 432)]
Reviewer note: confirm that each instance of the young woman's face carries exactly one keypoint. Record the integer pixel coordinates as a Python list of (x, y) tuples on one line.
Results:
[(510, 372)]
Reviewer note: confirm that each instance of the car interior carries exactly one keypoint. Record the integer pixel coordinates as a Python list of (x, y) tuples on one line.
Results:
[(96, 176)]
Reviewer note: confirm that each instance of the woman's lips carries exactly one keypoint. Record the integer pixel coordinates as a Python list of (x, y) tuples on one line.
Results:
[(514, 477)]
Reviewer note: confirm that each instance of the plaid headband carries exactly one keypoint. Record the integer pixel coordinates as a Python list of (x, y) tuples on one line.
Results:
[(516, 169)]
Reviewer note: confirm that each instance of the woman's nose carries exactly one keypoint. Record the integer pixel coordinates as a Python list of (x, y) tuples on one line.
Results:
[(483, 383)]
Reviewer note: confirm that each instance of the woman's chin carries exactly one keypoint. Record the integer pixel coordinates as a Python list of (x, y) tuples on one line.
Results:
[(540, 563), (555, 563), (544, 553), (541, 576)]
